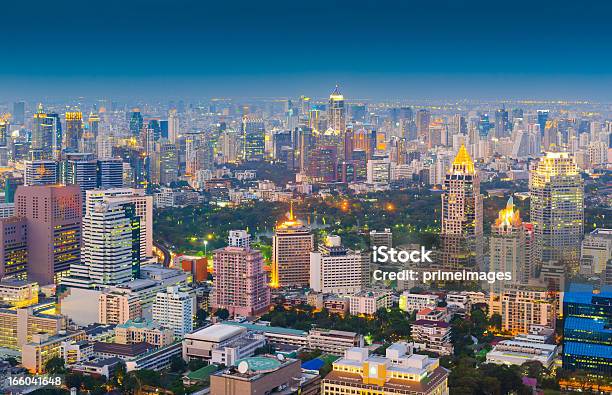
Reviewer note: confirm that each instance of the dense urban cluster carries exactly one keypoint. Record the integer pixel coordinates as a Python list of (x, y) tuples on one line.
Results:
[(227, 247)]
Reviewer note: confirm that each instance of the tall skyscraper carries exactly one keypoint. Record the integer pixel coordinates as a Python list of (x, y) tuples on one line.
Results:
[(110, 252), (144, 210), (80, 169), (240, 283), (336, 112), (557, 209), (423, 118), (253, 135), (136, 122), (502, 124), (5, 129), (462, 233), (173, 126), (42, 136), (53, 214), (109, 173), (19, 112), (13, 247), (74, 131), (291, 246), (511, 248)]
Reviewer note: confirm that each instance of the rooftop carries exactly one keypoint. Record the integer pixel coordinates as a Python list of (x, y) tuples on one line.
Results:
[(216, 333)]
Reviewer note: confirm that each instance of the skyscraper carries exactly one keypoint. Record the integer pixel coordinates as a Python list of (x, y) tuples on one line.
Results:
[(557, 209), (462, 233), (423, 118), (80, 169), (291, 246), (511, 248), (53, 214), (41, 172), (74, 131), (42, 136), (502, 124), (19, 112), (253, 135), (173, 126), (336, 112), (110, 252), (240, 284), (136, 122), (109, 173)]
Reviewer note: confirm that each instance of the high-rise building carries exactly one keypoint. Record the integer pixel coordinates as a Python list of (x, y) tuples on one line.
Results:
[(136, 122), (167, 162), (511, 248), (144, 210), (174, 309), (462, 232), (41, 146), (110, 173), (53, 215), (240, 283), (41, 172), (5, 129), (80, 169), (524, 308), (13, 247), (19, 112), (338, 270), (110, 252), (173, 126), (586, 331), (596, 251), (74, 131), (557, 209), (423, 118), (336, 112), (253, 136), (291, 246), (502, 124)]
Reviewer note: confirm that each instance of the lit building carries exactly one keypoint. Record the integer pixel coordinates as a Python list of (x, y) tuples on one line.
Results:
[(523, 308), (109, 173), (13, 247), (18, 326), (291, 246), (557, 209), (522, 349), (80, 169), (53, 215), (398, 372), (110, 252), (586, 332), (74, 131), (511, 248), (381, 238), (336, 112), (596, 251), (433, 335), (461, 232), (40, 172), (337, 270), (411, 302), (174, 309), (18, 293), (43, 347), (118, 308), (253, 136), (240, 283)]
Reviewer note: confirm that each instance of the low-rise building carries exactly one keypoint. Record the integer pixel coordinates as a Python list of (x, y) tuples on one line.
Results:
[(368, 302), (523, 348), (222, 344), (43, 346), (410, 302), (18, 293), (143, 331)]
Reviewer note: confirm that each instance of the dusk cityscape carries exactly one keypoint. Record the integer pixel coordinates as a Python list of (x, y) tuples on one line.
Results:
[(331, 198)]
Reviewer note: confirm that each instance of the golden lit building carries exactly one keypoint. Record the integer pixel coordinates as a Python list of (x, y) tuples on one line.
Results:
[(291, 246), (18, 293), (17, 326), (143, 331), (398, 372), (336, 112), (557, 209), (461, 232), (43, 347), (525, 307)]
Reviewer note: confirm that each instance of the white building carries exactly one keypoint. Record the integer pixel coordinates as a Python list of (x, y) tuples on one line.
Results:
[(596, 251), (222, 344), (410, 302), (378, 171), (337, 270), (523, 348), (367, 302), (174, 309)]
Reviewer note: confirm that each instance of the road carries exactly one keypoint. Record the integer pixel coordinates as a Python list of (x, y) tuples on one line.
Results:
[(165, 251)]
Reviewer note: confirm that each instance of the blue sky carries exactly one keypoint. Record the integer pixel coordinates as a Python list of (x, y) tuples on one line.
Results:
[(375, 49)]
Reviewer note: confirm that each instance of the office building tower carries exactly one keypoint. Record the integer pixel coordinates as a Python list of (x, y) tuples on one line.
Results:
[(253, 137), (557, 209), (596, 252), (322, 164), (41, 144), (135, 122), (74, 131), (423, 118), (166, 163), (587, 317), (87, 143), (524, 308), (378, 171), (13, 247), (80, 169), (144, 210), (462, 229), (336, 112), (240, 283), (291, 246), (174, 309), (542, 119), (53, 215), (41, 172), (54, 123), (381, 238), (173, 126), (110, 252), (109, 173), (338, 270), (502, 124), (5, 129), (398, 372), (19, 112), (511, 248)]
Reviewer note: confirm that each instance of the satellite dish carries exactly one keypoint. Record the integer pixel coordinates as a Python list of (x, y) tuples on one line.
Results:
[(280, 357), (243, 367)]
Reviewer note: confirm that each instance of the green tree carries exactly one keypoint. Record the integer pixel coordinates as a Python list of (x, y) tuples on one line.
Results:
[(55, 365), (223, 314), (178, 364)]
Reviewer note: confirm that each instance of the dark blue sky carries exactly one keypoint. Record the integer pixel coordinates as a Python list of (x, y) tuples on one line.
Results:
[(375, 49)]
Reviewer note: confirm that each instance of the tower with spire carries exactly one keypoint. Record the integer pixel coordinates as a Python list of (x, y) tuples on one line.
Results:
[(336, 112), (462, 230)]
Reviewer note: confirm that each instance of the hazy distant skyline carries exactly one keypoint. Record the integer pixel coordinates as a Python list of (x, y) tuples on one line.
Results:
[(376, 50)]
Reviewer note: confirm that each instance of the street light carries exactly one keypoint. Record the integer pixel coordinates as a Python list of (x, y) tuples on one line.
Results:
[(205, 245)]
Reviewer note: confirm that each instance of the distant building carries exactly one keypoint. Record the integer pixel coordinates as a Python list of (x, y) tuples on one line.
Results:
[(367, 302)]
